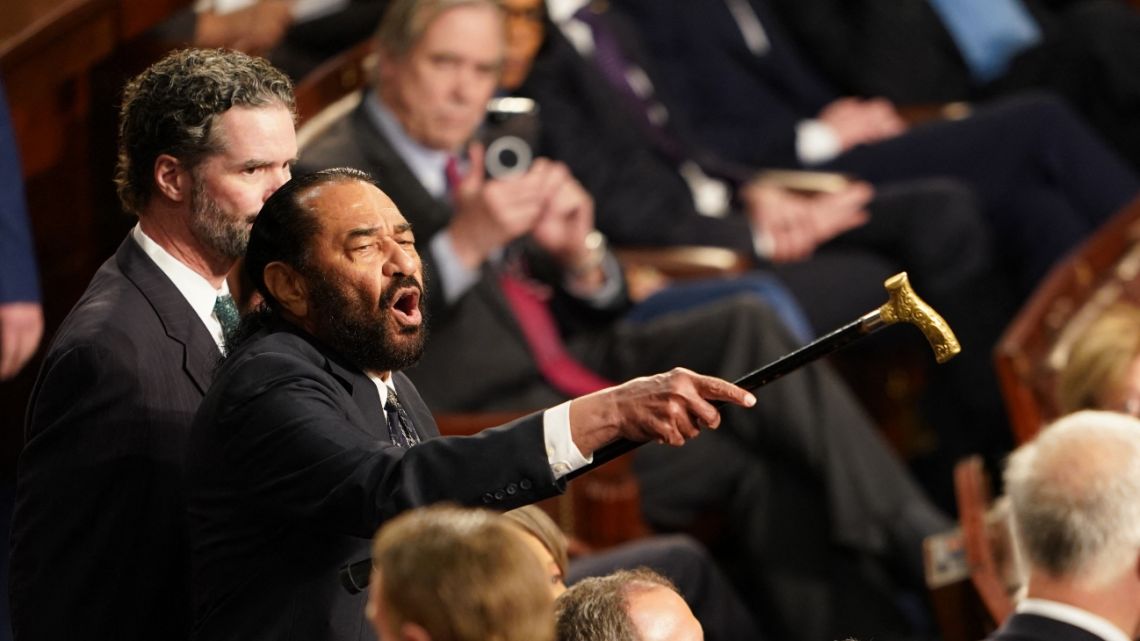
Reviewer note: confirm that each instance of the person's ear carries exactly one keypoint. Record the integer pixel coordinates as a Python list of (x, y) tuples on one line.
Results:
[(288, 288), (385, 65), (172, 179), (372, 608)]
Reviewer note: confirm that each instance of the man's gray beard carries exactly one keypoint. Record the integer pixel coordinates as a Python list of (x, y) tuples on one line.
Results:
[(213, 228)]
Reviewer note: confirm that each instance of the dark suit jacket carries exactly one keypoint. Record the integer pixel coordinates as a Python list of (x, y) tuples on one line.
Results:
[(480, 324), (640, 197), (1031, 627), (98, 545), (721, 84), (290, 471), (902, 50)]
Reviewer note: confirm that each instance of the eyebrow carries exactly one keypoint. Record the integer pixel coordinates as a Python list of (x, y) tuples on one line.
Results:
[(361, 232), (257, 163)]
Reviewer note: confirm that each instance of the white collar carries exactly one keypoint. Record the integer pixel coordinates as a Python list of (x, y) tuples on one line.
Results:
[(427, 164), (563, 10), (1074, 616), (197, 291), (382, 387)]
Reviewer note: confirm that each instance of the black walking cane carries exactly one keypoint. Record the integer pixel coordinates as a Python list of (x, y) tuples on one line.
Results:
[(903, 306)]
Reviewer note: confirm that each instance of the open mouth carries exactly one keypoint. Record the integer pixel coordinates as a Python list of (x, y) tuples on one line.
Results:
[(406, 306)]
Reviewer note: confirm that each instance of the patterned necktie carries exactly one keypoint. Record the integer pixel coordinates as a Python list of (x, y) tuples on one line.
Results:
[(227, 314), (400, 428)]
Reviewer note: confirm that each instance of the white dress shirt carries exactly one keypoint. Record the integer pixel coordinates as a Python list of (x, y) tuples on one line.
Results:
[(561, 453), (194, 288), (1074, 616)]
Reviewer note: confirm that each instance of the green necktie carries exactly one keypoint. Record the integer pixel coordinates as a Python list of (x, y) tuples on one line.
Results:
[(227, 313)]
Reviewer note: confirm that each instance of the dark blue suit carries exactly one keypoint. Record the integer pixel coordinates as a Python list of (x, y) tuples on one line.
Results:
[(902, 50), (18, 279), (1044, 178)]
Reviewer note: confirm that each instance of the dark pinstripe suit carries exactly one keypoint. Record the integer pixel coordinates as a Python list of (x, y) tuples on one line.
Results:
[(98, 548)]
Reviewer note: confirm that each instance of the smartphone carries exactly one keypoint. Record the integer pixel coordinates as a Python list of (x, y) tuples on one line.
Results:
[(509, 135)]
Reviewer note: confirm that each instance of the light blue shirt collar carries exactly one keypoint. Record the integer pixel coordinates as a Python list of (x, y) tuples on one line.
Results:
[(428, 165)]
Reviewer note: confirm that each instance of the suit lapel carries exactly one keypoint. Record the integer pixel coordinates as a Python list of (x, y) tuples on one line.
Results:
[(356, 384), (366, 397), (200, 354), (414, 405)]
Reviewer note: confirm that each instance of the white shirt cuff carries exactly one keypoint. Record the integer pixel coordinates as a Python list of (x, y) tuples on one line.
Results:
[(763, 244), (455, 279), (816, 142), (561, 452)]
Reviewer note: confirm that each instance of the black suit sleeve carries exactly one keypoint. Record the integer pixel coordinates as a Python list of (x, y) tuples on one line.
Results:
[(304, 452)]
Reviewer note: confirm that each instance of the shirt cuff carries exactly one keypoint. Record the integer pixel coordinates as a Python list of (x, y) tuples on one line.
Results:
[(561, 452), (455, 278), (816, 142)]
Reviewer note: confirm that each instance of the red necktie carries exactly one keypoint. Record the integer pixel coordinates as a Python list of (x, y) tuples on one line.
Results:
[(452, 175), (528, 301)]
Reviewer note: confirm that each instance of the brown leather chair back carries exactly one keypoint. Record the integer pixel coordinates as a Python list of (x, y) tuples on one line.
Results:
[(1104, 269)]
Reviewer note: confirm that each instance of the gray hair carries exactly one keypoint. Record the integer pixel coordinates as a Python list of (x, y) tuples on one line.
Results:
[(598, 607), (171, 107), (405, 21), (1075, 496)]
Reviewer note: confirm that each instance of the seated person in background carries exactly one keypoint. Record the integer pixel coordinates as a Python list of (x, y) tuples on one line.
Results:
[(527, 313), (1103, 369), (630, 605), (930, 51), (296, 35), (1074, 493), (311, 437), (1043, 179), (444, 573), (684, 561), (645, 182)]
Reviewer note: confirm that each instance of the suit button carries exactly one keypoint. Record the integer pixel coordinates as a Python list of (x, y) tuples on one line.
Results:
[(487, 498), (525, 484), (512, 489), (499, 496)]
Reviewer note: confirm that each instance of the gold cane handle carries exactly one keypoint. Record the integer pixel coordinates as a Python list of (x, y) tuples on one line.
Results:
[(905, 306)]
